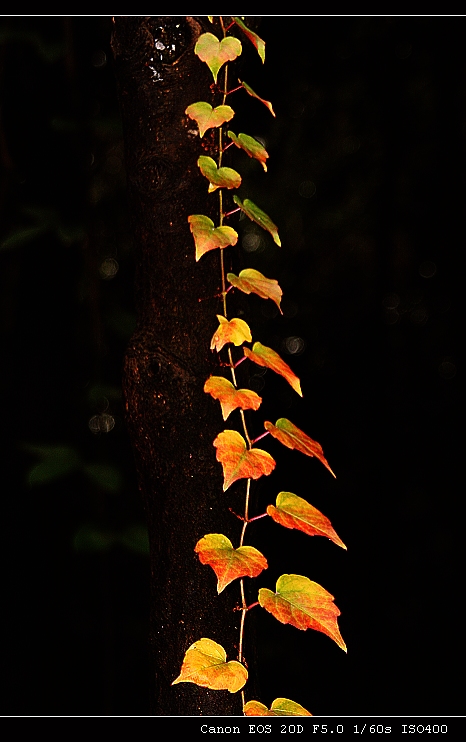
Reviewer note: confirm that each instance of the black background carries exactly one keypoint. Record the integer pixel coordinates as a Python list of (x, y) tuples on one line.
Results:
[(366, 184)]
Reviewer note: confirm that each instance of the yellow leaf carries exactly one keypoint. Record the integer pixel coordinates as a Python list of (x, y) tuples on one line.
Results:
[(280, 707), (215, 53), (205, 663), (235, 331)]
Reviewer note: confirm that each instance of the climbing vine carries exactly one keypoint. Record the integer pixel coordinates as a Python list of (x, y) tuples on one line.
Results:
[(297, 600)]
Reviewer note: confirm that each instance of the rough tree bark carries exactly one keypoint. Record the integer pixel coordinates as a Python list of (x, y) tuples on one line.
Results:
[(172, 422)]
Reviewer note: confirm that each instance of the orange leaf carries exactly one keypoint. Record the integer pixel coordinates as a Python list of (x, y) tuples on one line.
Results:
[(252, 280), (280, 707), (228, 563), (264, 356), (207, 237), (303, 604), (235, 331), (293, 437), (229, 397), (237, 461), (292, 511), (207, 117), (205, 664)]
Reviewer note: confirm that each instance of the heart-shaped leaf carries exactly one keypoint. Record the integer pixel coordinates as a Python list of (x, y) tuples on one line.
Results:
[(251, 92), (264, 356), (237, 461), (215, 53), (207, 237), (229, 397), (253, 38), (228, 563), (280, 707), (250, 280), (218, 177), (207, 117), (235, 331), (303, 604), (258, 216), (251, 146), (293, 437), (205, 663), (292, 511)]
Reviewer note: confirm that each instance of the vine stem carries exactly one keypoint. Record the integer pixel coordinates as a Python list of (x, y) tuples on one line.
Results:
[(244, 606)]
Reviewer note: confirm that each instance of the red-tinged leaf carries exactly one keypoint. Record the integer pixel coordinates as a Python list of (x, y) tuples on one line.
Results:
[(215, 53), (237, 461), (207, 237), (235, 331), (228, 563), (303, 604), (292, 511), (251, 92), (280, 707), (229, 397), (250, 280), (258, 216), (207, 117), (251, 146), (264, 356), (253, 38), (205, 663), (218, 177), (293, 437)]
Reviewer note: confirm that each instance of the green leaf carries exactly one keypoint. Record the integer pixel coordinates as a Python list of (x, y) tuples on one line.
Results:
[(280, 707), (207, 117), (253, 38), (205, 664), (91, 538), (22, 235), (251, 92), (56, 462), (251, 146), (207, 237), (264, 356), (229, 397), (222, 177), (258, 216), (250, 280), (293, 437), (303, 604), (228, 563), (237, 461), (235, 331), (135, 538), (106, 476), (292, 511), (216, 53)]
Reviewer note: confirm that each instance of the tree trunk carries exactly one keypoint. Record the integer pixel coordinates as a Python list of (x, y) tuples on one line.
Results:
[(172, 422)]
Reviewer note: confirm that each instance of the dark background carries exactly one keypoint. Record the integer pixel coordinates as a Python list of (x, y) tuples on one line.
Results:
[(366, 183)]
